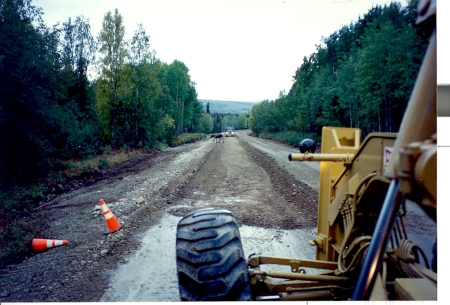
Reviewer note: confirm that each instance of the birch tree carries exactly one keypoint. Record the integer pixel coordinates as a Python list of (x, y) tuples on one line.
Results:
[(113, 54)]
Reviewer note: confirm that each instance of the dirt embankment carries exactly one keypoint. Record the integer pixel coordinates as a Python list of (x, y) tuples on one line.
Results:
[(233, 175)]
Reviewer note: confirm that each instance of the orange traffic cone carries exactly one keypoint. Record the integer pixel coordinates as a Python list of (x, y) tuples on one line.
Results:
[(111, 221), (38, 244)]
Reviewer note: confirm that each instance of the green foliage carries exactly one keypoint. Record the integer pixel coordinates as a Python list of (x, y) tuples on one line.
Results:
[(264, 118), (111, 86), (50, 111), (185, 138), (81, 124), (207, 123), (236, 121), (360, 76), (30, 117), (165, 128), (15, 240), (102, 162), (16, 230)]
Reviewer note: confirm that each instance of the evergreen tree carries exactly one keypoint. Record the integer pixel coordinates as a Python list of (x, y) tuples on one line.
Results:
[(360, 76)]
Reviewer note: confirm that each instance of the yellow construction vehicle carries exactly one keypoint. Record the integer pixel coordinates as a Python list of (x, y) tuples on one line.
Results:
[(362, 247)]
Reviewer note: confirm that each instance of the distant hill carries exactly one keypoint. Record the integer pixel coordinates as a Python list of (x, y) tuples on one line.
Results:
[(226, 107)]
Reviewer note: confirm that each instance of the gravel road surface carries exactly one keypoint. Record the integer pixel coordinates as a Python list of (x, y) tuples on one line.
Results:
[(148, 195), (273, 200)]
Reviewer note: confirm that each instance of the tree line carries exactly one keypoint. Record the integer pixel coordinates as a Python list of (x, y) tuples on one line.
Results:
[(220, 121), (50, 108), (360, 76)]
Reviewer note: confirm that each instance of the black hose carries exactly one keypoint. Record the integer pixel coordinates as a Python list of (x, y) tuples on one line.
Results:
[(377, 247)]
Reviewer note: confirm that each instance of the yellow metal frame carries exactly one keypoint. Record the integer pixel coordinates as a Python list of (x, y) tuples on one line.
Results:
[(354, 179), (344, 164)]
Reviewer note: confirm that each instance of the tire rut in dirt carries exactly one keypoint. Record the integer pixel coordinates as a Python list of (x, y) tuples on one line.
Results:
[(210, 258), (278, 201), (299, 207), (177, 190)]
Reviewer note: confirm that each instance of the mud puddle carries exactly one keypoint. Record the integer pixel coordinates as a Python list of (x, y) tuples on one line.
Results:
[(150, 273)]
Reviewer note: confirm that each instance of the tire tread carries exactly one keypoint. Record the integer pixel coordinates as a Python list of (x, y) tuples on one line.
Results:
[(210, 259)]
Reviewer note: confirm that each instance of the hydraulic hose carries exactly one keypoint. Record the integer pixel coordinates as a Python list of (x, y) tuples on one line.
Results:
[(374, 256)]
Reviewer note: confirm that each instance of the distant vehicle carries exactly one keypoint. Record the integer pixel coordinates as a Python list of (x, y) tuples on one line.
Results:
[(229, 132)]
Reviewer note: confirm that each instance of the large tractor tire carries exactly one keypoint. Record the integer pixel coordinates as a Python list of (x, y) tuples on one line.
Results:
[(210, 260)]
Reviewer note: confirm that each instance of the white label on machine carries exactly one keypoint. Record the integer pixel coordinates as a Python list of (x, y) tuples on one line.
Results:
[(388, 150)]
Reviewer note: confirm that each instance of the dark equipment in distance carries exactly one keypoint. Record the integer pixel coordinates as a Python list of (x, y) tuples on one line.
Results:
[(307, 145)]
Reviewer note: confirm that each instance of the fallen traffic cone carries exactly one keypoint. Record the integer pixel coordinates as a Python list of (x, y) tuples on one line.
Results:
[(38, 244), (111, 221)]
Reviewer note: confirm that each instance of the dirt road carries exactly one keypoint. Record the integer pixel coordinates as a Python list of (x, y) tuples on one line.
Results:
[(269, 198)]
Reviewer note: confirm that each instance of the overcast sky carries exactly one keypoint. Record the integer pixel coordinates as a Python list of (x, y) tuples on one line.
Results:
[(236, 50)]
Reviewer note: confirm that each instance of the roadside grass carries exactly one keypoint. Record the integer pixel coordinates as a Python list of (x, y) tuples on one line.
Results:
[(74, 168), (185, 138), (290, 138), (17, 226), (18, 223)]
